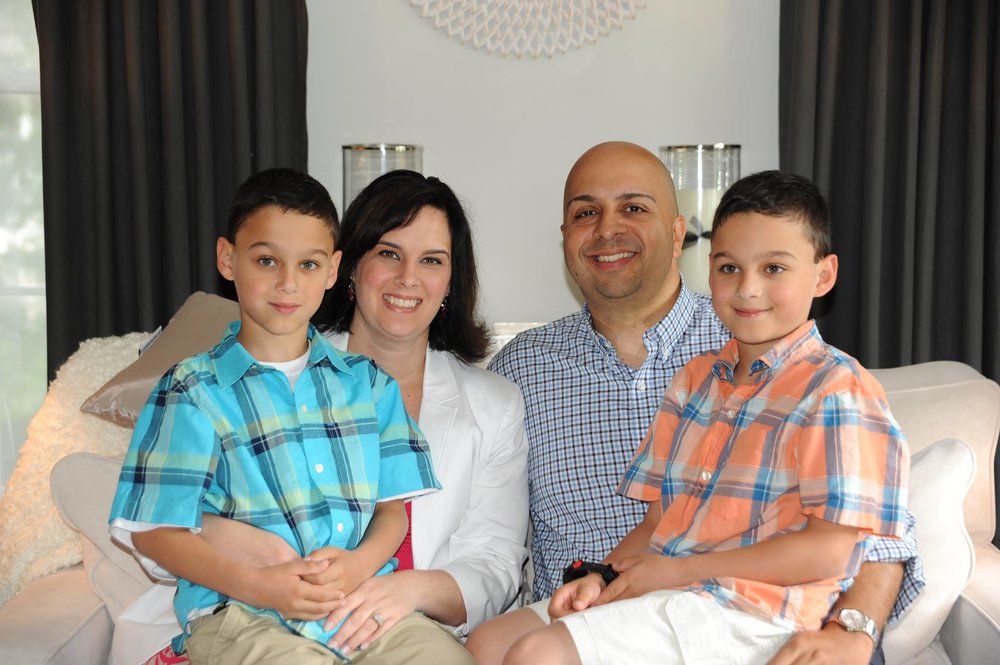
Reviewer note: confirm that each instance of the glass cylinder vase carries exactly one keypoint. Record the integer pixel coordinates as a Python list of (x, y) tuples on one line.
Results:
[(702, 173), (363, 162)]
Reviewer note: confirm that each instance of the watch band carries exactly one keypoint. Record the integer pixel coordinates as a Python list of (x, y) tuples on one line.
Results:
[(581, 568)]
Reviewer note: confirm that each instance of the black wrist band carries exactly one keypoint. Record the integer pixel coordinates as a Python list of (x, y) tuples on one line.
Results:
[(580, 568)]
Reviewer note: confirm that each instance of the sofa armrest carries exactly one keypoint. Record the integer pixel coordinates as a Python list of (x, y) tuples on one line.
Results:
[(971, 634), (56, 620)]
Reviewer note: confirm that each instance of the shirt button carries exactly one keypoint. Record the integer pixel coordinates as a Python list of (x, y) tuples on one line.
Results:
[(641, 386), (706, 475), (319, 468), (731, 413), (303, 408), (340, 527)]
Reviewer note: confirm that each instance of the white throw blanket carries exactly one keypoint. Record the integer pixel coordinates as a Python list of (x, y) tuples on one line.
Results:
[(34, 540)]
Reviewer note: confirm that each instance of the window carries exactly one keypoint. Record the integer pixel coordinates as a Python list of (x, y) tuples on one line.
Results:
[(22, 280)]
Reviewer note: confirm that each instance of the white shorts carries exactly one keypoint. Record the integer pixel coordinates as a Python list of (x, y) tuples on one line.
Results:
[(671, 627)]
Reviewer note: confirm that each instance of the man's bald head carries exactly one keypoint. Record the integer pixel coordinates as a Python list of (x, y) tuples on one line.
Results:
[(606, 158)]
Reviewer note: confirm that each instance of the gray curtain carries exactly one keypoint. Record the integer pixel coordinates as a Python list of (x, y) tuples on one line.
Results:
[(893, 108), (152, 114)]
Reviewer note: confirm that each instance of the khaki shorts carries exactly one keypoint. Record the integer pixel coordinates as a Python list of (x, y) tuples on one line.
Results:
[(235, 636)]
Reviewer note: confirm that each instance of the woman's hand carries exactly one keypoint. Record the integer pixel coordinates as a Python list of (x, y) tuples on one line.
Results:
[(389, 597)]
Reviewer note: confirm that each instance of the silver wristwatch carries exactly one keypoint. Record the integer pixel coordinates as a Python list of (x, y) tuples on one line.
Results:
[(856, 621)]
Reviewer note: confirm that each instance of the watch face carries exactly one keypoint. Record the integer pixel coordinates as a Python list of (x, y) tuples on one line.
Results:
[(856, 621), (852, 619)]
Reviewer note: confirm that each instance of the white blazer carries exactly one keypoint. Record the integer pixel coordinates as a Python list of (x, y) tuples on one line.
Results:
[(474, 528)]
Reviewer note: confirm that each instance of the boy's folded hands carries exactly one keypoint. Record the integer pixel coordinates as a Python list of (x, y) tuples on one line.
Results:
[(284, 588), (345, 569)]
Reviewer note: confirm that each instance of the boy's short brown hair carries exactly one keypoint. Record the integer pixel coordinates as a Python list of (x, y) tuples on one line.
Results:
[(289, 190), (780, 194)]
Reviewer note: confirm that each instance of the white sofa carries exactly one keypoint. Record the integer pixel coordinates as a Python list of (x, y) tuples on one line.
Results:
[(68, 616)]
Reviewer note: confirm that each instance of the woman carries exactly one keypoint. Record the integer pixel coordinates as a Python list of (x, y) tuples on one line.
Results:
[(406, 297)]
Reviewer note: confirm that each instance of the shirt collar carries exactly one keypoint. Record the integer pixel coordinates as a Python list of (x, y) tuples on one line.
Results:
[(232, 360), (802, 341), (670, 330), (662, 337), (589, 332)]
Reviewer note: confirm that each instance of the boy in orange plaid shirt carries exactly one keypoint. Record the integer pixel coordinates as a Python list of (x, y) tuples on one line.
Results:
[(767, 464)]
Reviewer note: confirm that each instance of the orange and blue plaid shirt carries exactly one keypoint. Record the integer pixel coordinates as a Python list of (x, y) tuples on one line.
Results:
[(732, 465)]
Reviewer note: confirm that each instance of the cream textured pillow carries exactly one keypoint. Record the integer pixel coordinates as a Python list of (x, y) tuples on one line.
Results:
[(197, 326), (940, 477), (34, 540), (113, 572)]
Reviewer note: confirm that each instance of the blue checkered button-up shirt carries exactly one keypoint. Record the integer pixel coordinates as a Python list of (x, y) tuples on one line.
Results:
[(223, 434), (586, 413)]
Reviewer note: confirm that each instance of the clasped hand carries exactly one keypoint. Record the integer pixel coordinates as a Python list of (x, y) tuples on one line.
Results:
[(345, 569), (309, 588)]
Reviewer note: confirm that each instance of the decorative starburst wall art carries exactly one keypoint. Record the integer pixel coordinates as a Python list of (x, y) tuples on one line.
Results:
[(530, 28)]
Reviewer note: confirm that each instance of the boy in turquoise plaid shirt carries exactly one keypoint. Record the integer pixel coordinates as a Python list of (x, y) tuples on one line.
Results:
[(276, 428)]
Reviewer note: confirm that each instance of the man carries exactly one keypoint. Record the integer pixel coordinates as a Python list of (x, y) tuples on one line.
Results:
[(592, 382)]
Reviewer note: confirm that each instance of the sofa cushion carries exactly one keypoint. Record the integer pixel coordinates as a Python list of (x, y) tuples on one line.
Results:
[(972, 632), (950, 400), (55, 620), (113, 573), (197, 326), (940, 476), (932, 655)]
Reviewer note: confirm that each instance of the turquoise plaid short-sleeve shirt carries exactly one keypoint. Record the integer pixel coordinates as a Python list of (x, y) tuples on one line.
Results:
[(223, 434)]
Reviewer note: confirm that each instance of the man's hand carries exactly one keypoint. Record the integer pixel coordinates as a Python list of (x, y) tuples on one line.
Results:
[(830, 646), (283, 588), (575, 596), (345, 570)]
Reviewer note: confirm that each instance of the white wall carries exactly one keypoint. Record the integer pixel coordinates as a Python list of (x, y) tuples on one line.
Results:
[(503, 132)]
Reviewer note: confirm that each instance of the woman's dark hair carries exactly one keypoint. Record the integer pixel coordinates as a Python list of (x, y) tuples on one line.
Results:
[(389, 202)]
